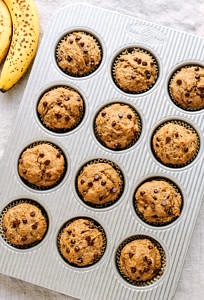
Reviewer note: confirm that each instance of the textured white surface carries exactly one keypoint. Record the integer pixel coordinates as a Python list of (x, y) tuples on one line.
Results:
[(183, 15)]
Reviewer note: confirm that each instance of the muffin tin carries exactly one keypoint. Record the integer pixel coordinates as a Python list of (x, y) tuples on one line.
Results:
[(80, 145)]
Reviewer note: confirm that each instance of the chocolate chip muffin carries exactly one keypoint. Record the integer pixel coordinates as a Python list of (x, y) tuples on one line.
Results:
[(24, 224), (135, 70), (187, 87), (175, 144), (61, 109), (82, 242), (117, 126), (158, 202), (78, 53), (99, 184), (42, 165), (140, 261)]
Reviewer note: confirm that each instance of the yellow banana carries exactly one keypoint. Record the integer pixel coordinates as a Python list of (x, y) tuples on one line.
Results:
[(24, 43), (5, 30)]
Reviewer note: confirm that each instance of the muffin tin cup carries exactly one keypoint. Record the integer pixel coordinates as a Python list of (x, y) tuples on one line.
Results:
[(44, 188), (62, 130), (127, 50), (98, 226), (159, 273), (187, 126), (134, 141), (13, 204), (116, 168), (158, 224), (64, 39), (174, 73)]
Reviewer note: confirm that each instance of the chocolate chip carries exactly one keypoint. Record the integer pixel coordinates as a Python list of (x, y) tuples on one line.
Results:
[(90, 184), (71, 41), (24, 221), (185, 149), (15, 223), (4, 229), (77, 249), (117, 145), (142, 193), (32, 214), (59, 59), (82, 44), (179, 81), (148, 75), (146, 269), (133, 76), (69, 231), (202, 95), (73, 241), (24, 238), (82, 181), (67, 250), (103, 182), (169, 211), (120, 115), (58, 116), (41, 154), (144, 63), (103, 113), (113, 123), (156, 191), (66, 98), (133, 270), (85, 51), (96, 177), (139, 61), (24, 171), (196, 68), (152, 205), (58, 155), (130, 254), (168, 139), (197, 77), (150, 247), (163, 203), (80, 260), (113, 190), (20, 161), (176, 135), (187, 94), (129, 116), (47, 162), (77, 38), (96, 255), (45, 103), (34, 226), (67, 118), (69, 58)]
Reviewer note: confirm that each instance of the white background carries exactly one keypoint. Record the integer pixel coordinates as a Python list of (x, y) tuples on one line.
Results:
[(185, 15)]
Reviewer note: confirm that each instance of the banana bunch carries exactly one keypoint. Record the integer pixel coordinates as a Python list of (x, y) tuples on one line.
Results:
[(19, 37)]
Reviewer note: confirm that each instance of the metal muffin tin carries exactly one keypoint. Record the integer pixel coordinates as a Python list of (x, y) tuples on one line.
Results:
[(42, 265)]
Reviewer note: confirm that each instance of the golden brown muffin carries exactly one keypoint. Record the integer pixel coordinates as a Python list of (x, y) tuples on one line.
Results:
[(41, 165), (23, 225), (78, 54), (175, 144), (158, 201), (61, 109), (135, 71), (99, 183), (187, 87), (140, 260), (82, 242), (117, 126)]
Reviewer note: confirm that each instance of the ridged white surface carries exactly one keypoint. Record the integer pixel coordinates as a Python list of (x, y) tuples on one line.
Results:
[(102, 281)]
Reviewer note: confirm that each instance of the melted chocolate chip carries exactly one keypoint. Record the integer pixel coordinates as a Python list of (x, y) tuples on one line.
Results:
[(45, 103), (133, 270), (133, 76), (58, 116), (69, 231), (24, 221), (185, 149), (113, 190), (103, 182), (69, 58), (129, 116), (82, 44), (73, 241), (58, 155), (77, 249), (197, 77), (142, 193), (90, 184), (96, 177), (47, 162), (34, 226), (130, 254), (113, 123), (82, 181), (179, 81), (156, 191), (144, 63), (168, 139), (32, 214), (120, 115), (77, 38)]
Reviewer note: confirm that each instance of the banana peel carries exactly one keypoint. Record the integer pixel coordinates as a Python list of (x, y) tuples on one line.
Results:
[(24, 42)]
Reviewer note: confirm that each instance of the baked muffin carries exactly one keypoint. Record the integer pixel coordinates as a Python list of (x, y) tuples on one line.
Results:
[(99, 183), (158, 202), (117, 126), (135, 70), (78, 53), (61, 109), (175, 144), (187, 87), (81, 242), (42, 165), (140, 260), (24, 224)]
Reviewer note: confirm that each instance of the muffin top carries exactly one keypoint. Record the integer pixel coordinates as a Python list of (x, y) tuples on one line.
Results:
[(140, 260), (117, 126), (78, 54), (175, 144), (135, 71), (99, 183), (41, 165), (81, 243), (61, 108), (158, 201), (24, 224), (187, 87)]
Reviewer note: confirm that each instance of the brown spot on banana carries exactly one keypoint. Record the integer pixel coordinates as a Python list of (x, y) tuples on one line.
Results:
[(24, 43)]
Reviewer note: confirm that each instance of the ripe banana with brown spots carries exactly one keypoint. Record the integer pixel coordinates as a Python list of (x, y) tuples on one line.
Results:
[(5, 30), (24, 43)]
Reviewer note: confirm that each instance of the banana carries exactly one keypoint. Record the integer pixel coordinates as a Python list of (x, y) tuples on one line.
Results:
[(24, 43), (5, 30)]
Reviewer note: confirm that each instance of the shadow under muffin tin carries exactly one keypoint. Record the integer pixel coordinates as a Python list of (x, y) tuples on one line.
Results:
[(98, 88)]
